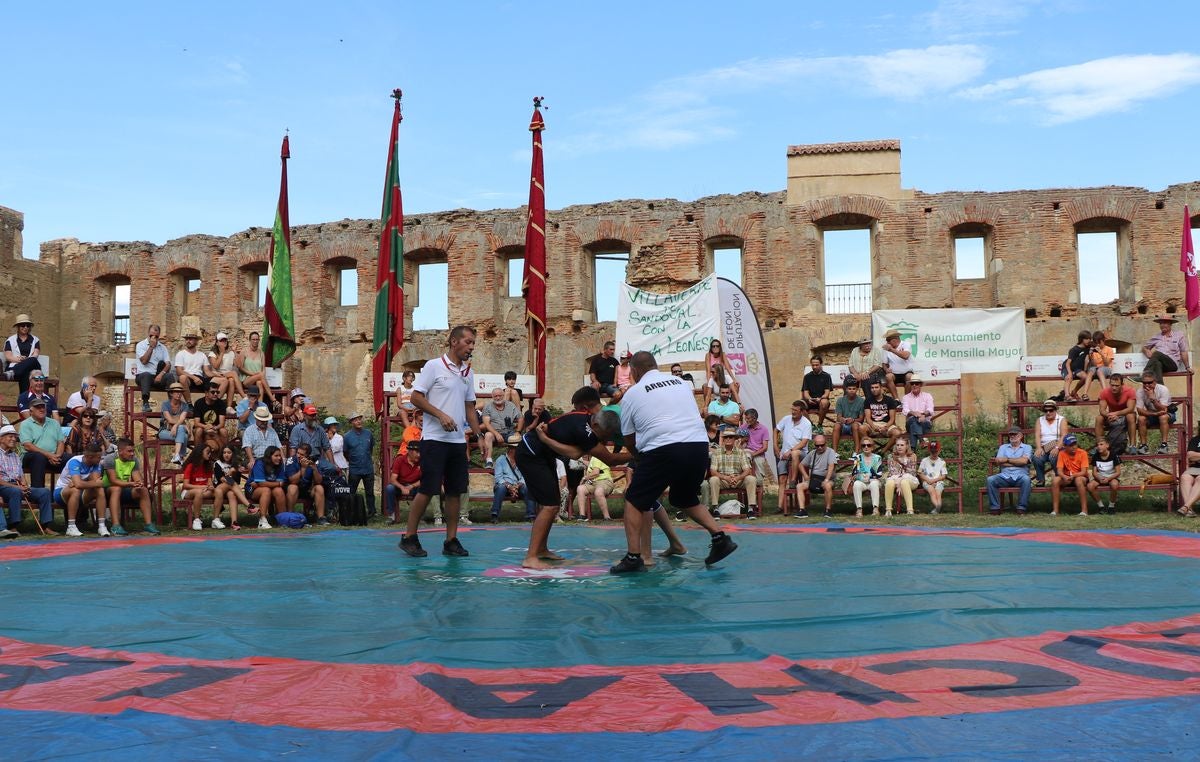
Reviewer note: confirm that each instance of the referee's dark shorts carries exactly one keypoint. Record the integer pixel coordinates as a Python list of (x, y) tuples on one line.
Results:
[(679, 468)]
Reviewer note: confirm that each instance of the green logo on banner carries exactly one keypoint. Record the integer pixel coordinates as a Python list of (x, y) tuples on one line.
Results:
[(908, 332)]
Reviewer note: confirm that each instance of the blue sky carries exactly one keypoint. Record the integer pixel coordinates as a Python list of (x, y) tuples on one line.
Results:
[(140, 121)]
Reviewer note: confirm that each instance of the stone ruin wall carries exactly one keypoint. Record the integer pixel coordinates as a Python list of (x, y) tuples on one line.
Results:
[(1032, 265)]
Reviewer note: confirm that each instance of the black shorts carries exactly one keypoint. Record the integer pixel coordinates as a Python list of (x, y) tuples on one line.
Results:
[(901, 378), (443, 467), (197, 386), (813, 404), (541, 478), (127, 497), (679, 467)]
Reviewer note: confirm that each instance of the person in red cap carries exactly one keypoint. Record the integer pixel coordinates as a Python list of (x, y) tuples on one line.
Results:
[(311, 433)]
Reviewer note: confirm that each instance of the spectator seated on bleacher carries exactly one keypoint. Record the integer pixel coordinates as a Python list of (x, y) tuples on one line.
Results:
[(1013, 458), (106, 431), (265, 487), (817, 469), (866, 364), (208, 417), (14, 489), (1049, 431), (1189, 480), (1100, 359), (881, 415), (534, 416), (251, 363), (412, 432), (85, 433), (918, 409), (1077, 373), (82, 484), (511, 392), (718, 372), (730, 468), (404, 480), (1073, 471), (793, 433), (500, 420), (602, 372), (933, 475), (816, 389), (260, 437), (897, 360), (304, 481), (1168, 351), (1105, 473), (597, 483), (849, 413), (1118, 406), (126, 484), (222, 369), (86, 398), (43, 443), (37, 391), (623, 375), (866, 471), (758, 438), (247, 406), (1153, 408), (153, 370), (312, 434), (901, 477), (509, 484), (189, 367), (198, 484), (21, 352), (173, 423), (725, 408)]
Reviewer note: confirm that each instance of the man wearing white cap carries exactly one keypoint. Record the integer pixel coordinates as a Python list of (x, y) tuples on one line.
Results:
[(336, 443), (358, 447), (14, 488)]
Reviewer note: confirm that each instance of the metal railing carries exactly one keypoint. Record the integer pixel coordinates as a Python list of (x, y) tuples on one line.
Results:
[(120, 330), (847, 298)]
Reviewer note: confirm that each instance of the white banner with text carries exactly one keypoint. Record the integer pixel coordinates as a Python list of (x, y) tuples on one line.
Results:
[(673, 327), (978, 340)]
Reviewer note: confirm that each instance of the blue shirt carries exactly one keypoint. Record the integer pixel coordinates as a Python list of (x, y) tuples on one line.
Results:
[(358, 447), (242, 406), (315, 438), (506, 472), (259, 474), (28, 397), (291, 467), (1007, 450)]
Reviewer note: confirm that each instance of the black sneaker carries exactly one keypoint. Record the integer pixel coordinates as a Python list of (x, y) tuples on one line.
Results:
[(721, 547), (495, 519), (412, 546), (802, 514), (630, 563), (828, 515), (322, 522), (453, 547)]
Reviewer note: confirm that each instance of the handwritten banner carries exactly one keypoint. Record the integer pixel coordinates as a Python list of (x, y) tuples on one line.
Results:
[(673, 327)]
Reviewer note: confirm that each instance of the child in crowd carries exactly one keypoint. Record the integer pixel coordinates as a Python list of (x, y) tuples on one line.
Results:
[(198, 486), (1100, 360), (511, 392), (933, 474), (405, 396), (227, 475), (1105, 472), (1076, 370)]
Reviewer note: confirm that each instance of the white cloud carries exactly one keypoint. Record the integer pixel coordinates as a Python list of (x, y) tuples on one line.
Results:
[(687, 110), (977, 16), (1102, 86)]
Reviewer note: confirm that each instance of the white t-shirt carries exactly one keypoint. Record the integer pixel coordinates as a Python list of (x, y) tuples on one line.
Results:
[(793, 432), (896, 364), (449, 388), (659, 410), (335, 446), (932, 469), (1161, 393), (192, 362), (76, 400)]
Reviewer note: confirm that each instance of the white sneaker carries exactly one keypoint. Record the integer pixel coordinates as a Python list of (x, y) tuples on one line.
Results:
[(437, 522), (103, 531), (196, 525), (263, 523), (217, 523), (464, 519), (73, 531)]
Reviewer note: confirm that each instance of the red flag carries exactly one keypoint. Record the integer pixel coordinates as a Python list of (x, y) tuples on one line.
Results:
[(1187, 264), (389, 279), (533, 282)]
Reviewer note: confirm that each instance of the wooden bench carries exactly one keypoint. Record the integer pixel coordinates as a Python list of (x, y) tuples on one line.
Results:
[(1007, 494)]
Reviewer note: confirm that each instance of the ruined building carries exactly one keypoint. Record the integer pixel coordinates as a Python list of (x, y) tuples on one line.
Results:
[(1029, 251)]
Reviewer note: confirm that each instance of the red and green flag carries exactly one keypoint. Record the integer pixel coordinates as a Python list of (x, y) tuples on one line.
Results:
[(389, 280), (279, 320), (533, 282)]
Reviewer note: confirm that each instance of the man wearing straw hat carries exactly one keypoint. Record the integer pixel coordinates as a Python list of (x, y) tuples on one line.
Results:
[(1168, 351)]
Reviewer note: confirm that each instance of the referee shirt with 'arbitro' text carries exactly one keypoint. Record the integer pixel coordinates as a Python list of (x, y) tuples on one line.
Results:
[(449, 388), (660, 409)]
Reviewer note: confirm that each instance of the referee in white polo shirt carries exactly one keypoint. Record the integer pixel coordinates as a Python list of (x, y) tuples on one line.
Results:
[(445, 390), (659, 423)]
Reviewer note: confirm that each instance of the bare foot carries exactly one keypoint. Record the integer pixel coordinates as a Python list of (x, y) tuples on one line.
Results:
[(673, 550), (549, 555), (535, 563)]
